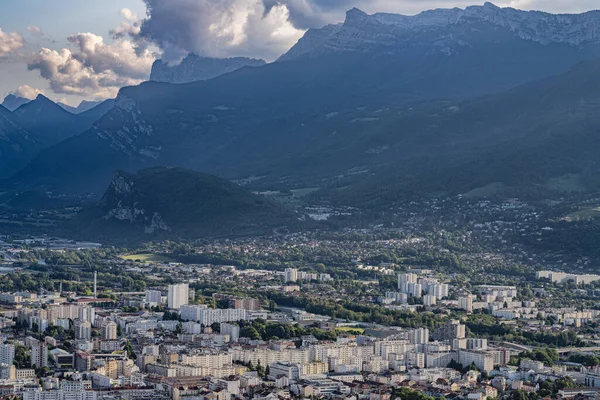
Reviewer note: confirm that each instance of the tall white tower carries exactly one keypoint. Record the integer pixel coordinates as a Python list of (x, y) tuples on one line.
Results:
[(95, 284), (178, 295)]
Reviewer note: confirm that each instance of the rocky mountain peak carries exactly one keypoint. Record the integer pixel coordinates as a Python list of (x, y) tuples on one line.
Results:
[(196, 68), (356, 15), (12, 102), (40, 106), (121, 184)]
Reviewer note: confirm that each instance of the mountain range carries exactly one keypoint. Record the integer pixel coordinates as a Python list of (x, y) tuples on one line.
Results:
[(16, 144), (36, 125), (448, 30), (12, 102), (383, 104)]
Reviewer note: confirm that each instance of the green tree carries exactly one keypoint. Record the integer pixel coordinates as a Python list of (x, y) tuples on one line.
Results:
[(250, 332)]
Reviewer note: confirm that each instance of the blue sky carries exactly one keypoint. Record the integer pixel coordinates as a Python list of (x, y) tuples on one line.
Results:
[(72, 50), (60, 18), (57, 20)]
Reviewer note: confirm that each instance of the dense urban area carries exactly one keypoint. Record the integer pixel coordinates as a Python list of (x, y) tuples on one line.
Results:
[(446, 298)]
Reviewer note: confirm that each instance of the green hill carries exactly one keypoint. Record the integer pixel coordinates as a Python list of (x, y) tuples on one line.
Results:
[(170, 203)]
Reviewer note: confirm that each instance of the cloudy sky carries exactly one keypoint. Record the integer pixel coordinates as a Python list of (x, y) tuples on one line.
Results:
[(72, 50)]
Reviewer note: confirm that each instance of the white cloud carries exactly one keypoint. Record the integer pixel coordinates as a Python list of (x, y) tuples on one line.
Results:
[(221, 28), (94, 68), (129, 27), (10, 42), (27, 92), (35, 30)]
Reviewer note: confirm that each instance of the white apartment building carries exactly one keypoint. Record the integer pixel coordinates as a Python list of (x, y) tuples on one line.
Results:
[(218, 360), (39, 354), (466, 303), (562, 277), (419, 336), (266, 356), (289, 370), (434, 287), (7, 354), (429, 300), (178, 295), (291, 275), (59, 395), (110, 331), (232, 330), (208, 316), (86, 313), (153, 296), (483, 360), (387, 348), (83, 330), (477, 344), (404, 280)]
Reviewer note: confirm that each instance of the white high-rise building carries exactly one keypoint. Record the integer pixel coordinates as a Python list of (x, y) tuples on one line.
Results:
[(232, 330), (451, 330), (414, 289), (110, 331), (178, 295), (404, 280), (7, 354), (419, 336), (153, 296), (83, 330), (291, 275), (477, 344), (39, 354), (429, 300), (466, 303), (482, 359), (87, 314)]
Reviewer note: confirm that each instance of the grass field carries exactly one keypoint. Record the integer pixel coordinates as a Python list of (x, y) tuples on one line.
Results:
[(146, 257), (584, 214), (350, 329)]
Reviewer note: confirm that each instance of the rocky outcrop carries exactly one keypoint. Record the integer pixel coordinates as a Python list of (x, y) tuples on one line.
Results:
[(196, 68), (165, 202)]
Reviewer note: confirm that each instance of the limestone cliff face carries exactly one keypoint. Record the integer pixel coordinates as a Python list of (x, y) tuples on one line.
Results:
[(195, 68), (392, 32), (122, 202)]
